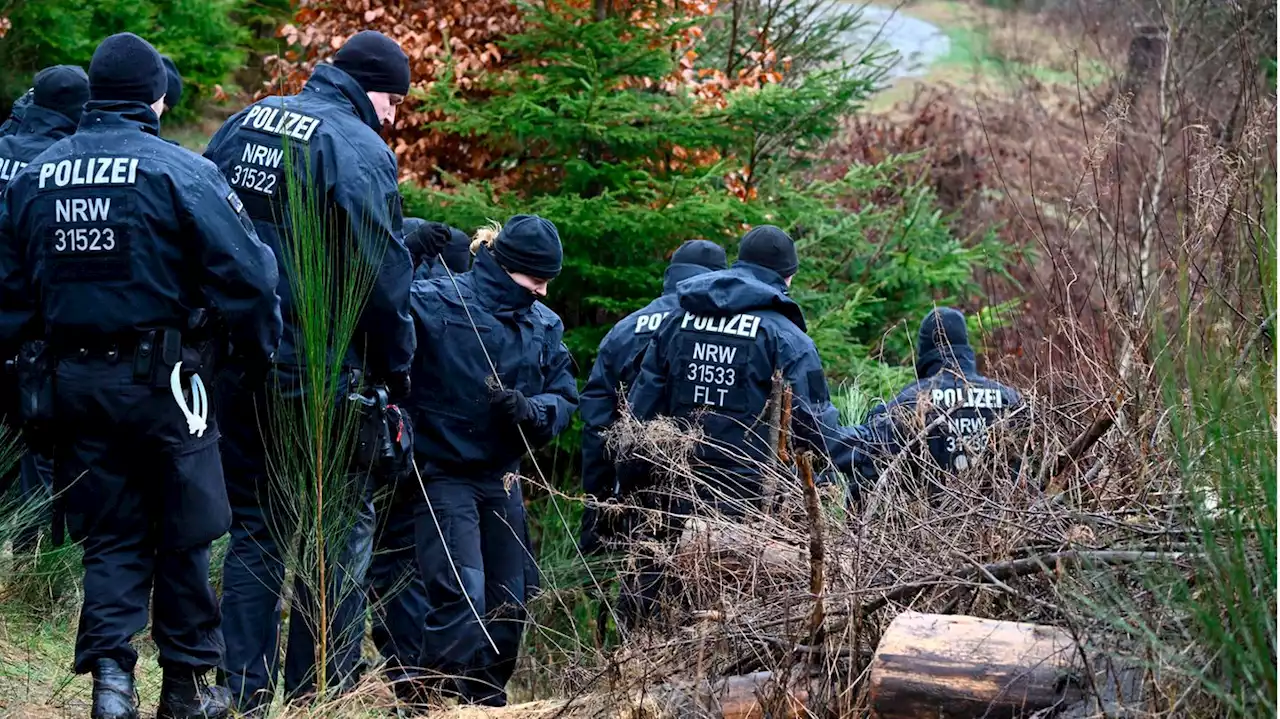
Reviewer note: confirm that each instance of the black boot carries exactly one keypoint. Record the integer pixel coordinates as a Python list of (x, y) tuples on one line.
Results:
[(184, 694), (113, 695)]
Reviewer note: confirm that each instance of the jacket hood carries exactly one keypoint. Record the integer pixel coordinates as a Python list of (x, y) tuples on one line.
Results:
[(943, 343), (46, 123), (494, 286), (741, 288), (678, 272), (118, 114), (338, 87)]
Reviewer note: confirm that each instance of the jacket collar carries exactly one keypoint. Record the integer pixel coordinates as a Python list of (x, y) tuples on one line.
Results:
[(960, 359), (117, 115), (336, 86), (495, 288), (46, 123), (679, 272)]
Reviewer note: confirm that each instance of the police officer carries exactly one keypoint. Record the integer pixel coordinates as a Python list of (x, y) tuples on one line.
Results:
[(58, 99), (333, 125), (16, 113), (473, 427), (124, 253), (615, 370), (713, 365), (173, 84), (960, 406)]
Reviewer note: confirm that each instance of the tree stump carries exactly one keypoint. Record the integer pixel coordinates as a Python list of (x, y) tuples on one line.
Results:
[(934, 666)]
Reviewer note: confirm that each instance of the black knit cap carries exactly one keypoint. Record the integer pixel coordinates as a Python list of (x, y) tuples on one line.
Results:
[(126, 68), (63, 89), (703, 253), (942, 328), (770, 247), (531, 245), (173, 83), (376, 62)]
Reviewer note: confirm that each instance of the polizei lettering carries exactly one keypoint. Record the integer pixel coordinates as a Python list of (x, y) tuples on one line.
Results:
[(9, 168), (650, 323), (89, 172), (968, 397), (738, 325), (284, 123)]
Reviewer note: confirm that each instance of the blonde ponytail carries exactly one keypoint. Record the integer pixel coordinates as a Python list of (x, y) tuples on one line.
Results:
[(485, 236)]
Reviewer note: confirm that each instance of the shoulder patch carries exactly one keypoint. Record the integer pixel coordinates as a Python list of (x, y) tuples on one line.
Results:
[(237, 205)]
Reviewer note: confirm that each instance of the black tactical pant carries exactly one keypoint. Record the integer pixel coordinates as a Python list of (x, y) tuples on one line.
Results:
[(473, 530), (264, 522), (397, 594), (145, 498)]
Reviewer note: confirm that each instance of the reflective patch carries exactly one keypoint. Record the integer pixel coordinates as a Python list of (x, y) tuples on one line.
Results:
[(712, 372), (234, 200), (88, 253)]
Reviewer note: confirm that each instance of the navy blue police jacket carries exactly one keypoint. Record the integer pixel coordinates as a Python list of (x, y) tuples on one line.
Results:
[(113, 231), (956, 405), (614, 372), (457, 432), (40, 127), (713, 364), (327, 135), (16, 114)]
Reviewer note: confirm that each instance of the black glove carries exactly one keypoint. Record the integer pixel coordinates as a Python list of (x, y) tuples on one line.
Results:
[(398, 386), (512, 404), (427, 241)]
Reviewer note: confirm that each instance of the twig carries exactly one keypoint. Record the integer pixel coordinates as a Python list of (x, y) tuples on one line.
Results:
[(1020, 567), (769, 488), (1102, 422), (817, 551)]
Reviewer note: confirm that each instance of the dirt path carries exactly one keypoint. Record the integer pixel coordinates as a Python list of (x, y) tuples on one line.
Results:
[(915, 43)]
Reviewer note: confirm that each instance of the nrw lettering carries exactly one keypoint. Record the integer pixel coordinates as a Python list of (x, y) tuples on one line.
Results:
[(262, 155), (714, 353), (81, 209), (738, 325)]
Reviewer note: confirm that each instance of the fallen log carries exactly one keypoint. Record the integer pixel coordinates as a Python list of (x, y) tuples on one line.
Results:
[(738, 546), (930, 666), (750, 696)]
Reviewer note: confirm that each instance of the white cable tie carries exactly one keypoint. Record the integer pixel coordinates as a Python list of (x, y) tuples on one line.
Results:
[(198, 414)]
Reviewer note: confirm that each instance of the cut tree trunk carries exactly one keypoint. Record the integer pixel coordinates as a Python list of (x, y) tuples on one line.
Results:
[(932, 666)]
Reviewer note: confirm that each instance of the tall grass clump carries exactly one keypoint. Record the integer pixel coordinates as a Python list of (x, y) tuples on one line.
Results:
[(1203, 623), (313, 423)]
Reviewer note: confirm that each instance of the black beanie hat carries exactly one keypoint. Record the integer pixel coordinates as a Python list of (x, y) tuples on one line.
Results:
[(173, 83), (63, 89), (703, 253), (457, 252), (531, 245), (942, 328), (126, 67), (768, 246), (376, 62)]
